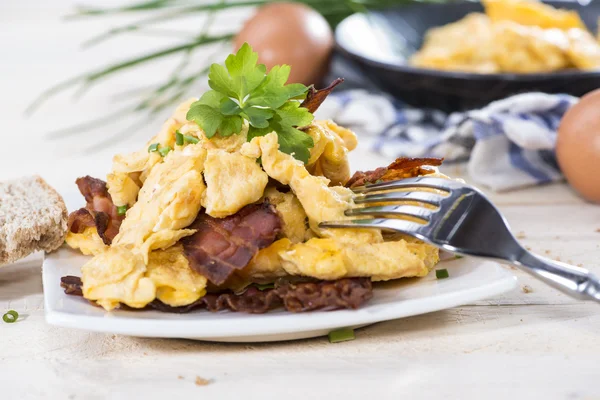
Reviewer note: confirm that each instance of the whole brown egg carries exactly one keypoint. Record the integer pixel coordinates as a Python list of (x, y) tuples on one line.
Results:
[(293, 34), (578, 146)]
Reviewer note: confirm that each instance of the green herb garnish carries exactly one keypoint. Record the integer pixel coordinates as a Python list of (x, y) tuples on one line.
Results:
[(441, 273), (163, 151), (178, 138), (10, 316), (341, 335), (265, 286), (153, 147), (122, 210), (190, 139), (243, 90)]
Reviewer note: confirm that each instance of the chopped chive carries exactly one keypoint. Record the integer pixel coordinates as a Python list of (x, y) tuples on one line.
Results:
[(441, 273), (190, 139), (10, 316), (341, 335), (153, 147), (456, 256), (121, 210), (178, 138), (265, 286), (163, 151), (379, 181)]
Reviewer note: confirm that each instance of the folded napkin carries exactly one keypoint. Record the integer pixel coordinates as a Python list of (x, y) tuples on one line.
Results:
[(507, 145)]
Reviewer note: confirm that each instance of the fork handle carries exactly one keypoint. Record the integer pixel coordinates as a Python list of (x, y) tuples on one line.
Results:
[(575, 281)]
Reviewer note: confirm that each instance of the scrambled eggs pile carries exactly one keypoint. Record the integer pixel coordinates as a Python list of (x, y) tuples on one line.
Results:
[(165, 193), (516, 36)]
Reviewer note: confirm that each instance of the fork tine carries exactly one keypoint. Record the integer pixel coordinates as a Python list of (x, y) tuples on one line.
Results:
[(421, 197), (397, 225), (410, 211), (420, 181)]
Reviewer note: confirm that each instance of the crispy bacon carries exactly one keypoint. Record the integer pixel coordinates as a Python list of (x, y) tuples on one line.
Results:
[(349, 293), (314, 97), (402, 168), (99, 210), (223, 245)]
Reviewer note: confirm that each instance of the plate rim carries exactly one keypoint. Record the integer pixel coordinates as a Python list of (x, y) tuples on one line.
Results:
[(255, 325)]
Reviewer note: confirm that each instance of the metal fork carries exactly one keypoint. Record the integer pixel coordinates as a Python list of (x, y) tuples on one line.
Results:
[(464, 222)]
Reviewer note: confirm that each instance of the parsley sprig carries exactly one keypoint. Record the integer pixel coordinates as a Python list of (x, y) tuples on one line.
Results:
[(243, 90)]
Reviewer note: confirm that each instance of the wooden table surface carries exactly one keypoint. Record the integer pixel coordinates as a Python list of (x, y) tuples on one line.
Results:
[(534, 343)]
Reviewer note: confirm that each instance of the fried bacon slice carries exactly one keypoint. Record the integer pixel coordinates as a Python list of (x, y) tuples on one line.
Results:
[(99, 210), (223, 245), (314, 98), (402, 168), (348, 293)]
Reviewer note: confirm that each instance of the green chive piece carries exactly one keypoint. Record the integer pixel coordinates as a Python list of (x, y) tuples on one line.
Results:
[(178, 138), (10, 316), (153, 147), (341, 335), (264, 286), (121, 210), (441, 273), (163, 151), (191, 139), (456, 256)]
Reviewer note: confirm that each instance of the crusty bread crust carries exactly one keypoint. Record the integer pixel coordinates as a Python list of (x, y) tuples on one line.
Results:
[(33, 217)]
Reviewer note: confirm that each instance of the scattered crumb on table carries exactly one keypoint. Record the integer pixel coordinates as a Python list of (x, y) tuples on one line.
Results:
[(557, 258), (202, 382), (521, 235), (598, 230), (180, 377), (528, 248), (547, 252), (580, 265), (526, 289)]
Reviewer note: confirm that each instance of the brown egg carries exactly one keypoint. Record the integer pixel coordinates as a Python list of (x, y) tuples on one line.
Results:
[(578, 146), (293, 34)]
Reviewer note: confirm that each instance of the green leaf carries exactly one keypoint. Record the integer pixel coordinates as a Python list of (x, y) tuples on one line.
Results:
[(291, 114), (219, 80), (256, 132), (230, 125), (229, 107), (211, 98), (258, 117), (207, 118), (293, 141), (272, 92), (296, 91)]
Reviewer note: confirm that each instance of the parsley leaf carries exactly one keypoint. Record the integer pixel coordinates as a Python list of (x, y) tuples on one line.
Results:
[(243, 90)]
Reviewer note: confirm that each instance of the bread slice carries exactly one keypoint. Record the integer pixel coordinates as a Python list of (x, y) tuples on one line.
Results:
[(33, 217)]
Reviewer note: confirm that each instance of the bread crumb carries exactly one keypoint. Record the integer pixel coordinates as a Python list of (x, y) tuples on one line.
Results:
[(180, 377), (598, 230), (202, 382), (528, 248), (557, 258), (580, 265), (521, 235), (527, 289), (547, 252)]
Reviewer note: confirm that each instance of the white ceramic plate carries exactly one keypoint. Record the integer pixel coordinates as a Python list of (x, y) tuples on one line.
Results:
[(470, 280)]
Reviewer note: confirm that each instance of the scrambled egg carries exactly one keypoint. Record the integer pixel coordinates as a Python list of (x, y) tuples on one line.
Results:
[(232, 181), (88, 242), (517, 36), (219, 176)]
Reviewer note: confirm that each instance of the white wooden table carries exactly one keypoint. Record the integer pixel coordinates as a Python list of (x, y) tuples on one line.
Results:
[(533, 345)]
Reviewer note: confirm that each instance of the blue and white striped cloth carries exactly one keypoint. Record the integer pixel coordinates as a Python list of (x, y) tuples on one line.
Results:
[(507, 145)]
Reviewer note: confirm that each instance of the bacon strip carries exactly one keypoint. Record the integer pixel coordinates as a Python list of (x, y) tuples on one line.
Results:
[(348, 293), (223, 245), (314, 98), (401, 168), (99, 210)]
